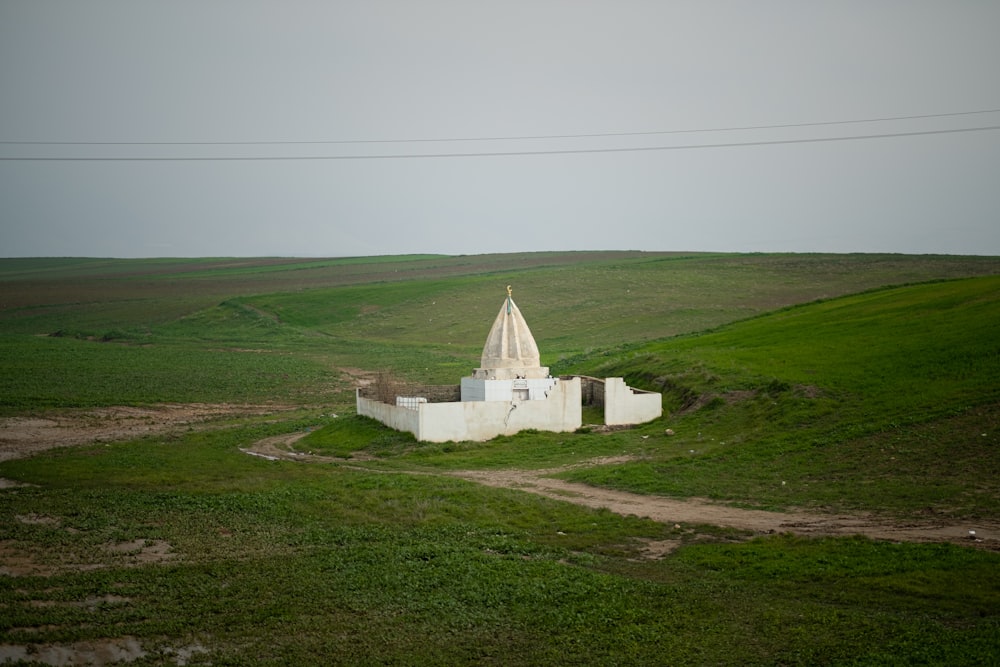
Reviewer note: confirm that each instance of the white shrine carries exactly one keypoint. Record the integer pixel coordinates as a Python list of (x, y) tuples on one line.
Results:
[(510, 368), (510, 391)]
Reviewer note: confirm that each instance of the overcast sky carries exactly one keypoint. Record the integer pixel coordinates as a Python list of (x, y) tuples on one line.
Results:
[(514, 92)]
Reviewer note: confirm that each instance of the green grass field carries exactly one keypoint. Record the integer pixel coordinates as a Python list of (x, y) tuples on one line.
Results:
[(837, 383)]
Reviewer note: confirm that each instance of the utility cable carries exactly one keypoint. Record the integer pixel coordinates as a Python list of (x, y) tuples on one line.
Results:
[(595, 135), (569, 151)]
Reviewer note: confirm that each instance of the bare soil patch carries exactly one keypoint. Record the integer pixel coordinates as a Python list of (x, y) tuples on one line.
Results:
[(141, 552), (111, 651), (102, 652), (359, 377), (279, 447), (24, 436), (18, 559)]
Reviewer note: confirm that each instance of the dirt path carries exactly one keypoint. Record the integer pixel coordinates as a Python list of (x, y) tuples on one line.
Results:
[(694, 510), (690, 510), (22, 436)]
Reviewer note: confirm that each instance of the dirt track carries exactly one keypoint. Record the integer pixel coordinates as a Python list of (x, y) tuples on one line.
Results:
[(668, 510), (21, 437), (687, 511)]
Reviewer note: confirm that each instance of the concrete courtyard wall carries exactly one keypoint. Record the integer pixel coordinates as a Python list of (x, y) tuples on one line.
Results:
[(625, 405), (399, 418), (481, 420)]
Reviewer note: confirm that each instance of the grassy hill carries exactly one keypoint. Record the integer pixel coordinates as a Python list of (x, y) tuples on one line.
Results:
[(142, 331), (846, 404), (886, 400), (842, 383)]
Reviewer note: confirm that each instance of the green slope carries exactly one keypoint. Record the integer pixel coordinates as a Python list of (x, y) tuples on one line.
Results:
[(883, 401), (886, 400)]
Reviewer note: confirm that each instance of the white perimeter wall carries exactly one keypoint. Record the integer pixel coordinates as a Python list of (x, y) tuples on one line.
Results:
[(624, 405), (482, 420), (399, 418)]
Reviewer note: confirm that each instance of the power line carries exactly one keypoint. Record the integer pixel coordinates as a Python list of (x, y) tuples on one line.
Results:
[(503, 138), (573, 151)]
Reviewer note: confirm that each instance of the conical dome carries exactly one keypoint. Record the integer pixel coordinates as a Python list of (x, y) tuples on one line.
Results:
[(510, 351)]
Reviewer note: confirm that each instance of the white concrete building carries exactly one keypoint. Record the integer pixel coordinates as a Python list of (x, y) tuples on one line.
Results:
[(510, 368), (510, 391)]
